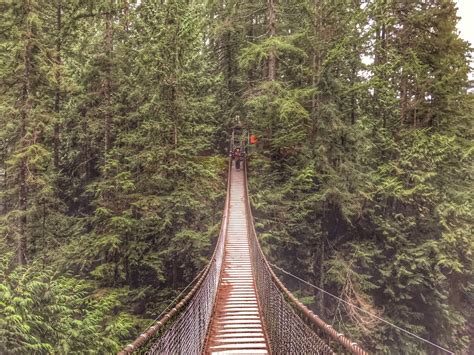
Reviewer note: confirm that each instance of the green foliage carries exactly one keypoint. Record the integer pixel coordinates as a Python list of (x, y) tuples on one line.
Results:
[(258, 53), (109, 176), (361, 185), (44, 312), (112, 115)]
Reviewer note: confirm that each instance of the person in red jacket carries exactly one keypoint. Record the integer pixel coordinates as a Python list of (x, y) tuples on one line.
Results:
[(253, 139)]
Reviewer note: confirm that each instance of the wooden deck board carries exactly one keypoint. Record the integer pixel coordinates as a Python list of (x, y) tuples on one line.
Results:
[(236, 326)]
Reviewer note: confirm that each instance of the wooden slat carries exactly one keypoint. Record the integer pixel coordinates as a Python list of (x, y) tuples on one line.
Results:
[(236, 327)]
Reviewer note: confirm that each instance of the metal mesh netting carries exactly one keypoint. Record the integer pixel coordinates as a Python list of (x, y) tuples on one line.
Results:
[(187, 334), (287, 332), (290, 327)]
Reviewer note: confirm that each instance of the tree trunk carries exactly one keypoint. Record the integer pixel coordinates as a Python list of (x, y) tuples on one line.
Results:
[(353, 83), (272, 33), (4, 205), (229, 64), (253, 72), (316, 67), (23, 205), (57, 75), (313, 132), (108, 79), (321, 278), (379, 59), (23, 173), (403, 97)]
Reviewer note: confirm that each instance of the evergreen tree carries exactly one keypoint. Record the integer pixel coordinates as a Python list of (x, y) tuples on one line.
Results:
[(356, 197), (112, 118)]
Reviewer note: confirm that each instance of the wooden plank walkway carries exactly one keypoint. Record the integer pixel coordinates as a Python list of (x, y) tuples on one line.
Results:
[(236, 326)]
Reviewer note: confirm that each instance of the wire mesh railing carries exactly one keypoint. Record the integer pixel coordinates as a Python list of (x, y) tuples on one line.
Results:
[(290, 326), (183, 329), (188, 332)]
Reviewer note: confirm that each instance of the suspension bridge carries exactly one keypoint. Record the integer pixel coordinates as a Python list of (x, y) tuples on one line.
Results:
[(237, 304)]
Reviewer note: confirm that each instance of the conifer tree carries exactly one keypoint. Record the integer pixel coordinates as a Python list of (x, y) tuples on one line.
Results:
[(112, 182)]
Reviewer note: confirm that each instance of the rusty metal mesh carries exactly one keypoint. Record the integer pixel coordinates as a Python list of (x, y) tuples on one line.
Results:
[(287, 332), (187, 334)]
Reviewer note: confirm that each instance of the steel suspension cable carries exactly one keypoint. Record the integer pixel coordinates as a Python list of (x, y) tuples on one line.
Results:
[(291, 326), (361, 309)]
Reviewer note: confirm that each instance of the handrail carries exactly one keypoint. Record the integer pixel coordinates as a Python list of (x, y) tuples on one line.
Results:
[(153, 330), (208, 277), (354, 348)]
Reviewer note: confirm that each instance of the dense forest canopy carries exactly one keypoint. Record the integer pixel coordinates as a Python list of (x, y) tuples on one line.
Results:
[(114, 118)]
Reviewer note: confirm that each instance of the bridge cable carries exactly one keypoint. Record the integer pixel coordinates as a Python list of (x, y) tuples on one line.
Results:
[(176, 298), (361, 309)]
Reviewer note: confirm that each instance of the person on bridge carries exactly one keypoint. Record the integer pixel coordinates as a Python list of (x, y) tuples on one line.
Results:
[(253, 139), (237, 155)]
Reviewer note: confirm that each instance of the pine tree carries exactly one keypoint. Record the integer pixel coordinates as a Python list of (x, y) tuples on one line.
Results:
[(112, 118), (355, 198)]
